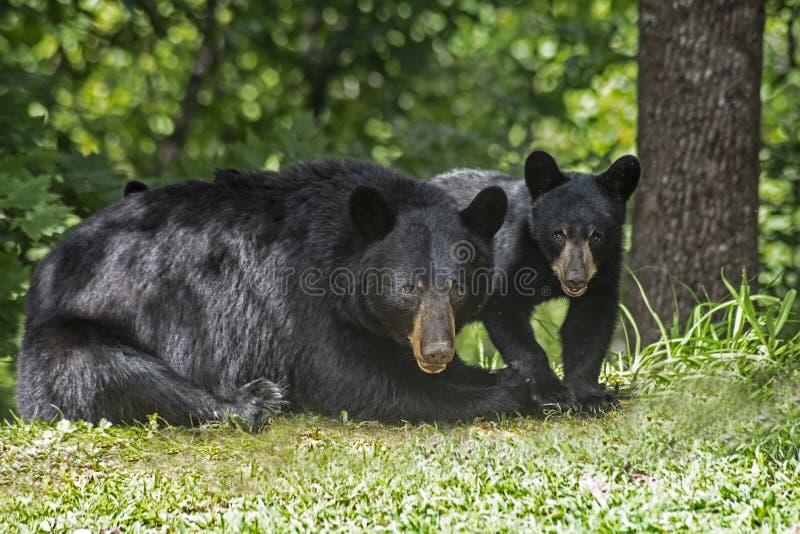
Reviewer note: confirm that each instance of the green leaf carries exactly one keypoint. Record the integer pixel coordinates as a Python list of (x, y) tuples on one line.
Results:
[(43, 220), (13, 274), (785, 310), (26, 192)]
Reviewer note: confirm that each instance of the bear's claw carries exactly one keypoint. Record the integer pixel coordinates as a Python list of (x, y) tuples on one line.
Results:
[(256, 402), (553, 395), (594, 399)]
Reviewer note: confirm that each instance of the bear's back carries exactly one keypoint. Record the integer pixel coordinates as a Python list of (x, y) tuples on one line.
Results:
[(190, 232)]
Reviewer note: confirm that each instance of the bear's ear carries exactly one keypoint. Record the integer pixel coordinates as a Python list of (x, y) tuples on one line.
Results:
[(370, 215), (487, 211), (133, 186), (542, 173), (621, 178)]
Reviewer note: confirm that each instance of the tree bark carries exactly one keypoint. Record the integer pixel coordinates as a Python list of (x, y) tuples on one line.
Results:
[(696, 210)]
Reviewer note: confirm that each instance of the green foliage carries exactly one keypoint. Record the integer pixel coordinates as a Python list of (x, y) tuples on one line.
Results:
[(745, 338), (425, 85), (475, 348), (779, 212), (29, 213)]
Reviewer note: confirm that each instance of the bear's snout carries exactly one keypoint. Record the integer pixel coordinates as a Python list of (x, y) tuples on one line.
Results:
[(575, 266), (576, 282), (438, 352), (433, 336), (436, 356)]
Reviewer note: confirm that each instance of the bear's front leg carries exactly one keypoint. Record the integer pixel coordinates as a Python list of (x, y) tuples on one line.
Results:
[(585, 338), (509, 327)]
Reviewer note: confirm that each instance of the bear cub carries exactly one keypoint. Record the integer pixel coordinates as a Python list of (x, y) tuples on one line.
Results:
[(562, 237)]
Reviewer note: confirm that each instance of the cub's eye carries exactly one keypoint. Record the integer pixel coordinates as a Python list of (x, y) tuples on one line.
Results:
[(407, 289), (459, 292), (558, 236), (597, 237)]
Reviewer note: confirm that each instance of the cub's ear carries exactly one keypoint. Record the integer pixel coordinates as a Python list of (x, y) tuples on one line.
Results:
[(486, 212), (621, 178), (542, 173), (133, 186), (370, 215)]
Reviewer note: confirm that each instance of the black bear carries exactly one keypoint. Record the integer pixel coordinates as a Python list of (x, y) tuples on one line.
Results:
[(562, 237), (320, 286)]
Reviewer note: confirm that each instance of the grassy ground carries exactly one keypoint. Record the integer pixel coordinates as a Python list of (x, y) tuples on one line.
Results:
[(685, 460), (709, 441)]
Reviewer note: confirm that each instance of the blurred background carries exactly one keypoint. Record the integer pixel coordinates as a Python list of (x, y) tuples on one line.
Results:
[(95, 92)]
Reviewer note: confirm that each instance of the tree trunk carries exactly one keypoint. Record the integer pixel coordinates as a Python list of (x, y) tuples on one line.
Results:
[(696, 209)]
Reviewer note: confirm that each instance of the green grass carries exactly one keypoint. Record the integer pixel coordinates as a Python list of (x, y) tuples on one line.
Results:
[(690, 459), (707, 439)]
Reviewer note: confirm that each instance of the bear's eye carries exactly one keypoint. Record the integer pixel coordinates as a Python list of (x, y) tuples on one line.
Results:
[(459, 291), (597, 237), (408, 289), (558, 236)]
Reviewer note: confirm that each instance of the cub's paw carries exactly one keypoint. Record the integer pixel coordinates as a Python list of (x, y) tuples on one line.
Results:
[(595, 399), (256, 402), (552, 394)]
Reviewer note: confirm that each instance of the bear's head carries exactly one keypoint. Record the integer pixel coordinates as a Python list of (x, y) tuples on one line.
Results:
[(426, 267), (577, 218)]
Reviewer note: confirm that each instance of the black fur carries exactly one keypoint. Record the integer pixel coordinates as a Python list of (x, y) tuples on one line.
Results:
[(593, 209), (186, 300), (133, 186)]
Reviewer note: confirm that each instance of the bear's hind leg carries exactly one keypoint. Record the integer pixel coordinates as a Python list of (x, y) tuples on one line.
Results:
[(78, 370)]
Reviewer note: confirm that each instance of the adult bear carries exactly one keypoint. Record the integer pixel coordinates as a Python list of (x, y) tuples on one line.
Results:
[(320, 286), (562, 238)]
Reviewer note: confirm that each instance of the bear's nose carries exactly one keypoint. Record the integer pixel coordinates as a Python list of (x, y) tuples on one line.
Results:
[(576, 285), (438, 352)]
